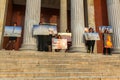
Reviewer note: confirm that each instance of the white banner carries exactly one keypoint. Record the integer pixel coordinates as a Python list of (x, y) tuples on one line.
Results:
[(66, 36), (59, 43), (13, 31), (108, 28), (92, 36), (44, 29)]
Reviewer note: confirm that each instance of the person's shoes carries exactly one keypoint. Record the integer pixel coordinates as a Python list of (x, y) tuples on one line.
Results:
[(13, 49), (88, 51)]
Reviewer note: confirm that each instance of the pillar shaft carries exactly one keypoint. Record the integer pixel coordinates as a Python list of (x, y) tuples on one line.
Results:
[(91, 15), (63, 15), (3, 12), (77, 26), (32, 17), (114, 20)]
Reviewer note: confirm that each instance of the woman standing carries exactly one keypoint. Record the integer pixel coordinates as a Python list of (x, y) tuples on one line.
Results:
[(90, 43), (107, 42), (12, 40)]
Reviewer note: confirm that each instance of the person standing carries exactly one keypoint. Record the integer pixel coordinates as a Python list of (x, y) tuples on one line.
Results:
[(41, 41), (12, 39), (107, 42), (68, 41), (90, 43), (58, 43)]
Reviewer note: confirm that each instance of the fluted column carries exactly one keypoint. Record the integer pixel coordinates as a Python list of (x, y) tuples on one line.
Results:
[(63, 15), (3, 12), (77, 26), (114, 21), (32, 17), (91, 17)]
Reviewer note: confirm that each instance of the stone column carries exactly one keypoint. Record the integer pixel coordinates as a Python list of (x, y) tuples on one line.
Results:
[(114, 21), (91, 18), (77, 26), (3, 12), (91, 14), (32, 17), (63, 15)]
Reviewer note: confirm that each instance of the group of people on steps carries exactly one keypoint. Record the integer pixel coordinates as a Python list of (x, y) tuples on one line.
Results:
[(90, 44)]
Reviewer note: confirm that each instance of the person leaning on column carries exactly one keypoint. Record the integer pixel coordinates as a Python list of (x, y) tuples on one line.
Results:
[(12, 40)]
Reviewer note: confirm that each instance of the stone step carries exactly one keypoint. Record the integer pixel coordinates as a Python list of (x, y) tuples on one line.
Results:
[(55, 74), (66, 78), (47, 63), (31, 69), (59, 58), (53, 59), (92, 58), (71, 62), (75, 65), (56, 54), (26, 65), (34, 53), (56, 61)]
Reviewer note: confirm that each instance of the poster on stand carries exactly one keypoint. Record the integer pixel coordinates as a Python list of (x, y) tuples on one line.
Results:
[(66, 36), (108, 28), (92, 36), (108, 41), (59, 43), (12, 31), (44, 29)]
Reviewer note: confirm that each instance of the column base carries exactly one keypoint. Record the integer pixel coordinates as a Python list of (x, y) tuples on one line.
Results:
[(117, 51), (28, 47), (78, 49)]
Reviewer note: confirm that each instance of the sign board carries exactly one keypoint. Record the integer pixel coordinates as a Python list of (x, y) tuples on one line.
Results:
[(92, 36), (44, 29), (108, 41), (65, 36), (59, 43), (108, 28), (12, 31)]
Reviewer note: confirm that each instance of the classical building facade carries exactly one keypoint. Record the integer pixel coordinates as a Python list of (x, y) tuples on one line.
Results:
[(74, 15)]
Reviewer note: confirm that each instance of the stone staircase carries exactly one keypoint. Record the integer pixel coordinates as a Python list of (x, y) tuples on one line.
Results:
[(33, 65)]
